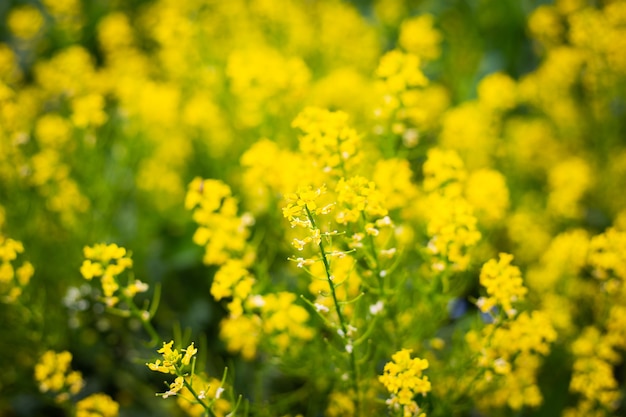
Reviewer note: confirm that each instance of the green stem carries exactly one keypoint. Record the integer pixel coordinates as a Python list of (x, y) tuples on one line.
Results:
[(372, 248), (195, 395), (342, 321), (145, 321)]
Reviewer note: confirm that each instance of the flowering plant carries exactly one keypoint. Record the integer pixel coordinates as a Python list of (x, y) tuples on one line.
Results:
[(327, 208)]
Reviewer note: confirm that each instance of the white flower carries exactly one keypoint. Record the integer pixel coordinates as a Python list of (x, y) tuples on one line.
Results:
[(376, 308), (257, 301), (321, 307)]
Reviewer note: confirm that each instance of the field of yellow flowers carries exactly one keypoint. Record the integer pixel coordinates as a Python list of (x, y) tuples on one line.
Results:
[(282, 208)]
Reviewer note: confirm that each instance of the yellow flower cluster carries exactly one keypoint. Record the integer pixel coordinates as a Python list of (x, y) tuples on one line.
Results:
[(394, 178), (173, 361), (234, 281), (452, 226), (469, 129), (242, 334), (557, 275), (263, 81), (569, 181), (54, 374), (204, 387), (419, 36), (25, 22), (108, 262), (12, 279), (497, 92), (444, 172), (275, 316), (511, 369), (403, 378), (328, 140), (67, 15), (503, 283), (598, 350), (300, 210), (400, 71), (284, 320), (97, 405), (340, 404), (358, 198), (607, 256), (487, 192), (220, 231), (263, 179), (345, 275), (302, 204), (408, 104), (593, 377), (196, 394)]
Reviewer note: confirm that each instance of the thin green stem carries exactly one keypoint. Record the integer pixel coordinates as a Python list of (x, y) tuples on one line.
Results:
[(195, 395), (342, 321), (374, 255), (145, 321)]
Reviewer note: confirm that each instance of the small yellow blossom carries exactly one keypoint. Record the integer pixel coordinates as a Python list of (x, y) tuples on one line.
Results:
[(108, 262), (443, 169), (497, 92), (487, 191), (328, 140), (242, 334), (172, 361), (25, 21), (97, 405), (404, 379), (503, 283), (90, 269), (13, 278), (356, 197), (89, 111), (208, 389), (284, 321), (220, 230), (189, 353), (400, 71), (418, 36), (54, 374)]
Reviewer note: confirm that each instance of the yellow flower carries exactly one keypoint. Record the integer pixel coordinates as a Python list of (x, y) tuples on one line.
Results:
[(89, 111), (91, 269), (175, 386), (497, 92), (25, 22), (220, 230), (403, 379), (242, 334), (503, 283), (284, 320), (486, 190), (54, 374), (97, 405), (170, 359), (400, 71), (328, 140), (357, 196), (418, 36), (189, 352)]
